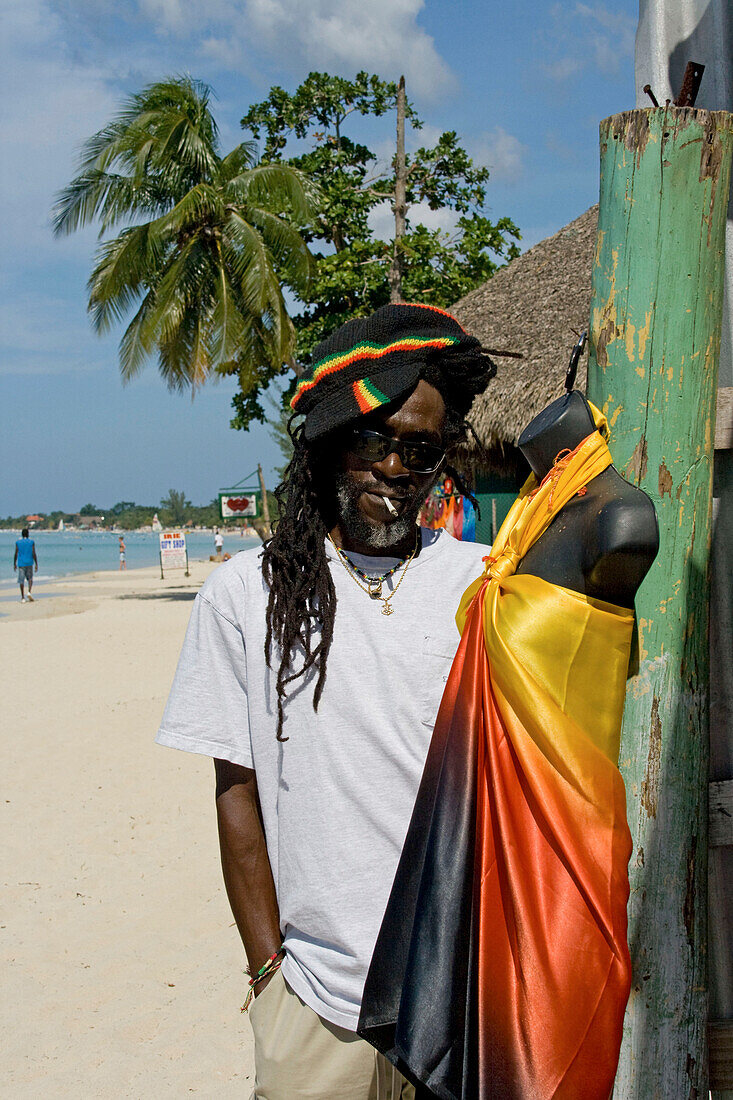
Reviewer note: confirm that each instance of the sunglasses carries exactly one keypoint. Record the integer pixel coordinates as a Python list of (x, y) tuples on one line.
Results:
[(419, 458)]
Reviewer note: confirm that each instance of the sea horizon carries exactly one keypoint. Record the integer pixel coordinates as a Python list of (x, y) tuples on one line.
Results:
[(71, 553)]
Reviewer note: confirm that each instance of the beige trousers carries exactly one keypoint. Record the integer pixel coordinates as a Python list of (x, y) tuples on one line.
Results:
[(300, 1056)]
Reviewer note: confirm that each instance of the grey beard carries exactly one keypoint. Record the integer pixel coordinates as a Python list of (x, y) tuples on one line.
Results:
[(377, 536)]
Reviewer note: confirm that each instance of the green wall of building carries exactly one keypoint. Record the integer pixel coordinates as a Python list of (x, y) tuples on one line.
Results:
[(502, 490)]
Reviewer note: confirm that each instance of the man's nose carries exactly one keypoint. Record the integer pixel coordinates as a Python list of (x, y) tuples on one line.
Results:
[(391, 466)]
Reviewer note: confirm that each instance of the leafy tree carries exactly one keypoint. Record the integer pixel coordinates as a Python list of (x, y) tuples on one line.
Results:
[(89, 510), (121, 506), (352, 265), (137, 516), (175, 506), (209, 242)]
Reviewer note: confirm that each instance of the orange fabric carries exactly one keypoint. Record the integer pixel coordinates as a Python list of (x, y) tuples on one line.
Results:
[(552, 840)]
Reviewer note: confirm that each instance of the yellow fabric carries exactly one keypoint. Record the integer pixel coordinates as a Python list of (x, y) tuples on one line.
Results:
[(561, 643)]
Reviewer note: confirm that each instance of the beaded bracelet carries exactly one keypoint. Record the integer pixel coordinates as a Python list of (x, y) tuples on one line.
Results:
[(272, 965)]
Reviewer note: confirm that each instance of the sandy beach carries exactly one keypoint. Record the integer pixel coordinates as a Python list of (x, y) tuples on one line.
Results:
[(123, 972)]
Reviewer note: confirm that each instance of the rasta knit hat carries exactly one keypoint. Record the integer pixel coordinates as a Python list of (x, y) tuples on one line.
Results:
[(371, 361)]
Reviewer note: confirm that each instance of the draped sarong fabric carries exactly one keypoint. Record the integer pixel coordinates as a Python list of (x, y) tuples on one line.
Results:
[(502, 969)]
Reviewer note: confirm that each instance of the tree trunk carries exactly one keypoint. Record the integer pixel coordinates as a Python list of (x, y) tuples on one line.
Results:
[(265, 504), (655, 337), (400, 200)]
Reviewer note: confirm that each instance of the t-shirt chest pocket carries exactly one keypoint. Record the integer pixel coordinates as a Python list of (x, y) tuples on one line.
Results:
[(438, 653)]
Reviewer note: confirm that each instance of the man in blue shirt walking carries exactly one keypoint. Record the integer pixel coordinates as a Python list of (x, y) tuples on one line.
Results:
[(24, 560)]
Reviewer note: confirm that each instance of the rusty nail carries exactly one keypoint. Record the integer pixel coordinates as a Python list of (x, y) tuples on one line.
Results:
[(690, 85), (648, 89)]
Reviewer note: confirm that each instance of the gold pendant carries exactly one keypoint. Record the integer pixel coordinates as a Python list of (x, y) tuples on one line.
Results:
[(387, 610), (375, 588)]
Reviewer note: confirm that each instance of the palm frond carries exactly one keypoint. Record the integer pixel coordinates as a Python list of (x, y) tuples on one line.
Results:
[(183, 358), (188, 282), (202, 206), (290, 252), (276, 187), (227, 325), (250, 262), (125, 266), (110, 198), (138, 341), (242, 158)]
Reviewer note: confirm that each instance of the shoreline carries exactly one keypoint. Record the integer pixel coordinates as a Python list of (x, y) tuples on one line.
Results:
[(61, 578), (79, 592)]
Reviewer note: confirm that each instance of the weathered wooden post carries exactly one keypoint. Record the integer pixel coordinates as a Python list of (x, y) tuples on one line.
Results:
[(655, 334)]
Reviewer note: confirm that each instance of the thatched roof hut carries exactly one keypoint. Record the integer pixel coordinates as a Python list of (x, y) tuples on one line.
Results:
[(538, 305)]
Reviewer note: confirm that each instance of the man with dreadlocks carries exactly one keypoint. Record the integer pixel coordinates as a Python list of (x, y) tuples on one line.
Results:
[(312, 672)]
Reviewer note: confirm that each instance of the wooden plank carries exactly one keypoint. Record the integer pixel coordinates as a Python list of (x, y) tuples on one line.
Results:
[(724, 419), (720, 1054), (655, 334), (720, 809)]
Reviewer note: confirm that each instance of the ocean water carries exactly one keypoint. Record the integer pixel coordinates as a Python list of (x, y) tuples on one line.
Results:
[(64, 553)]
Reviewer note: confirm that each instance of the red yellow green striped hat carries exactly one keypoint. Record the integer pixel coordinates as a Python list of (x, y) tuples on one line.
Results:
[(371, 361)]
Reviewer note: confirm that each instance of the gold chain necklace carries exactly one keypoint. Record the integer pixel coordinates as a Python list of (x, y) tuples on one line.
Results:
[(373, 587)]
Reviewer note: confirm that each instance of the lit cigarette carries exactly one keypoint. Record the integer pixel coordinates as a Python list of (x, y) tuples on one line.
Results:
[(389, 506)]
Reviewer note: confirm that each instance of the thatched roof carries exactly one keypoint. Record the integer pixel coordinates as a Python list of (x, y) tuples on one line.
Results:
[(537, 305)]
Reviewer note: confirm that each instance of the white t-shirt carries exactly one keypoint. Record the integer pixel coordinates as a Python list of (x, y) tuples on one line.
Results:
[(337, 796)]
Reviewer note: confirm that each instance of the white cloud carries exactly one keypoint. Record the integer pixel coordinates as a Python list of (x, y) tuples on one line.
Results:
[(383, 36), (50, 104), (381, 222), (52, 101), (443, 219), (620, 28), (563, 68), (381, 219), (585, 35), (501, 152)]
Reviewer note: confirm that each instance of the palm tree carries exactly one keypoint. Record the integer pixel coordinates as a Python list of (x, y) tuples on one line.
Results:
[(205, 251)]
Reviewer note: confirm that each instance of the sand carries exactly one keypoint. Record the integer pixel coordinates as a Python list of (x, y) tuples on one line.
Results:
[(122, 970)]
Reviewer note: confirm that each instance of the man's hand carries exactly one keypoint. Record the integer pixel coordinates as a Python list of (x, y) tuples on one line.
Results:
[(246, 866)]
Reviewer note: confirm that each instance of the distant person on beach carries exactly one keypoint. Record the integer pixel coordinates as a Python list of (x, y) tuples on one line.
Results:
[(218, 541), (314, 804), (24, 560), (123, 552)]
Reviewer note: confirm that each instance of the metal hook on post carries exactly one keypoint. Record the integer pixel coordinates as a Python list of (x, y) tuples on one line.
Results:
[(574, 360)]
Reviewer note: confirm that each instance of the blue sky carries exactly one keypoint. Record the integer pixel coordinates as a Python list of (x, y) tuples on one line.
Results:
[(525, 85)]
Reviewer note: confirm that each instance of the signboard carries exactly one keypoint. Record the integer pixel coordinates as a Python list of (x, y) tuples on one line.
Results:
[(173, 554), (238, 503)]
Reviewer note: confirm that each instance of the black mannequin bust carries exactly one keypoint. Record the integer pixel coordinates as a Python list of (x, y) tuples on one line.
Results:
[(603, 543)]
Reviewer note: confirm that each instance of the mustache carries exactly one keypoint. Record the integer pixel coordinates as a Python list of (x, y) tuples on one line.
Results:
[(388, 491)]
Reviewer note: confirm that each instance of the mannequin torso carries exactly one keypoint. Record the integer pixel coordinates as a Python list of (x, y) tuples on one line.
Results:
[(602, 543)]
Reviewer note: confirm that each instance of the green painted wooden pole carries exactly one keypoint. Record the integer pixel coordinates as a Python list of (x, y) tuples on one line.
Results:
[(655, 335)]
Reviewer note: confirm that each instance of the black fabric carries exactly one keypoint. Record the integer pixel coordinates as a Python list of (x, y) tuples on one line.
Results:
[(325, 395)]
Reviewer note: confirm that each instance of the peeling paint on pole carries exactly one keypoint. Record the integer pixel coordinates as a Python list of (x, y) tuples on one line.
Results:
[(655, 335)]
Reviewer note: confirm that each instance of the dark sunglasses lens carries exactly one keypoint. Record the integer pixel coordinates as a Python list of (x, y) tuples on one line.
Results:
[(369, 445), (421, 458)]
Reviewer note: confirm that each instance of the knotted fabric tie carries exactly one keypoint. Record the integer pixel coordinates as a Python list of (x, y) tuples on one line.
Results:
[(502, 566)]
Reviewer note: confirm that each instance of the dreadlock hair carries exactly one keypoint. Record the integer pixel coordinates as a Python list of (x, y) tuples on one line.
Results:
[(295, 567), (302, 598)]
